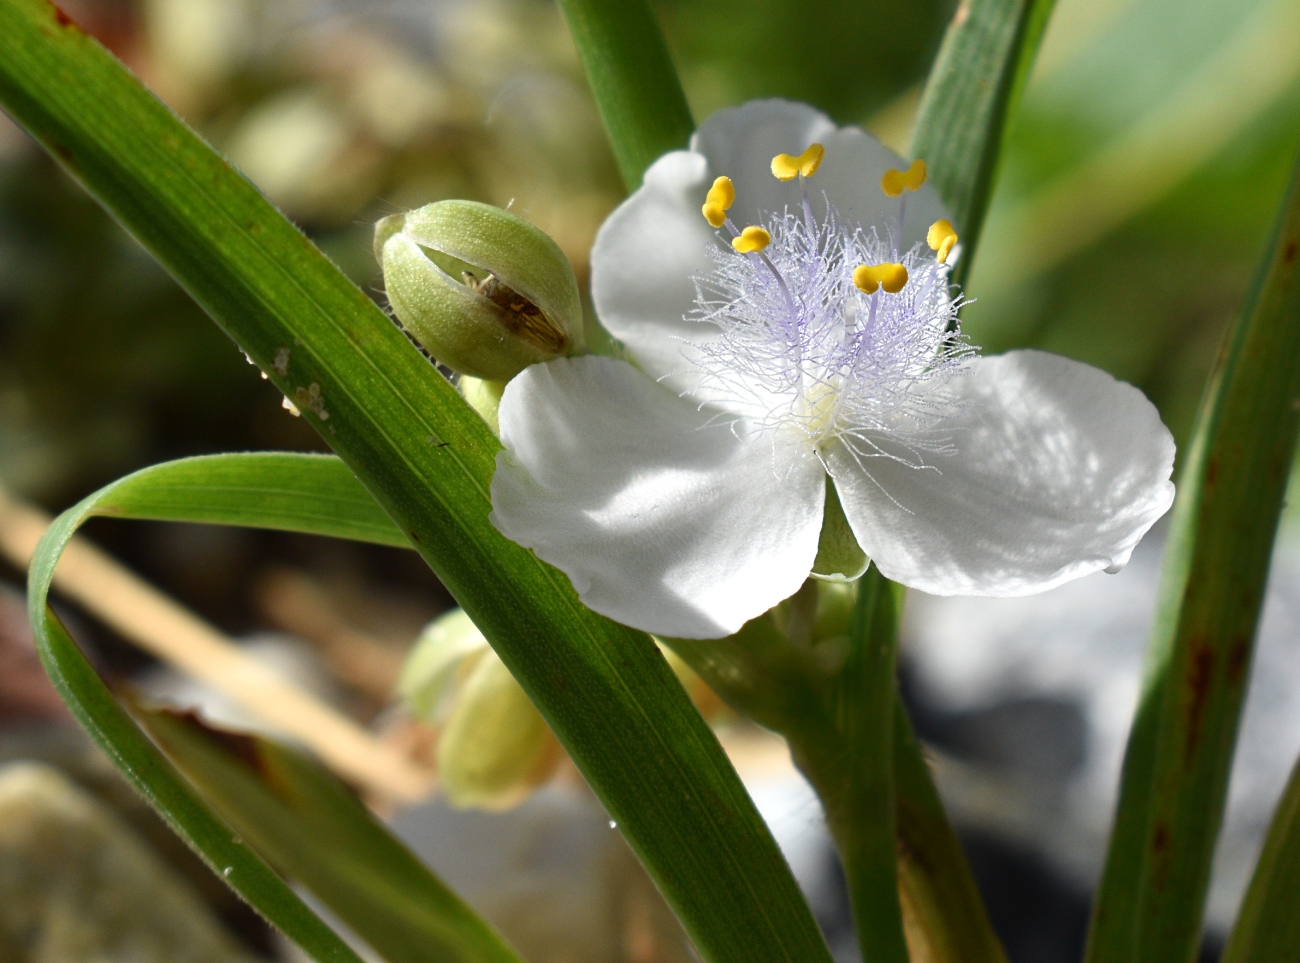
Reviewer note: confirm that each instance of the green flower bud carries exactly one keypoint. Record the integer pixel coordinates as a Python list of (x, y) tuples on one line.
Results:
[(496, 747), (437, 660), (515, 302)]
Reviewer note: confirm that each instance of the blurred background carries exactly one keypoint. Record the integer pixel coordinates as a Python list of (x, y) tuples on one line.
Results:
[(1142, 173)]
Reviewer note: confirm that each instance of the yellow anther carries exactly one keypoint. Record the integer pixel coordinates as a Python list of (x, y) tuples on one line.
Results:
[(868, 277), (722, 193), (786, 167), (941, 238), (752, 238), (895, 181), (721, 196)]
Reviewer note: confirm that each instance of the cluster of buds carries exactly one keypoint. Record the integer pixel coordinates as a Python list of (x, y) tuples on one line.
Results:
[(494, 747)]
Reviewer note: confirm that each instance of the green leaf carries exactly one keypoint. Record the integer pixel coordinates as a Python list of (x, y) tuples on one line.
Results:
[(310, 493), (315, 831), (631, 73), (982, 68), (288, 491), (1268, 926), (427, 458), (157, 780), (1221, 537)]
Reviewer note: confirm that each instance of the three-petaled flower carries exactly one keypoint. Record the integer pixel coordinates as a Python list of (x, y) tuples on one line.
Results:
[(781, 290)]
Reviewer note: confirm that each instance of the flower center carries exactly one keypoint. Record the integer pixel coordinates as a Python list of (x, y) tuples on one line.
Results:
[(824, 326)]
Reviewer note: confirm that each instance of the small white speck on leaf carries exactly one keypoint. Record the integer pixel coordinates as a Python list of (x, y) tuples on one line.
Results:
[(281, 362), (290, 407), (310, 398)]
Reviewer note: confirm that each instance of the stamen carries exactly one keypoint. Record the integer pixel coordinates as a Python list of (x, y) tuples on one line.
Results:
[(895, 181), (751, 240), (941, 238), (719, 200), (787, 168), (867, 278)]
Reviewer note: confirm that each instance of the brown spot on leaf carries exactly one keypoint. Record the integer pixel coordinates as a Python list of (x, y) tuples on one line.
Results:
[(242, 747), (1160, 856), (63, 19), (1200, 674), (1211, 471), (1238, 659), (1288, 256)]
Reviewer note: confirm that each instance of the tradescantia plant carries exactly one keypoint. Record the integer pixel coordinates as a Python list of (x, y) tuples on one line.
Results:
[(793, 399)]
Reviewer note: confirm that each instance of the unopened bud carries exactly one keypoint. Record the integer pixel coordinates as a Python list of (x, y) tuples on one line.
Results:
[(515, 300), (496, 747), (437, 661)]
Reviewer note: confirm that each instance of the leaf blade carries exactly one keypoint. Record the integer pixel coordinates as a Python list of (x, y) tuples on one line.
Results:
[(982, 67), (1222, 530), (1268, 927), (316, 832), (631, 74), (157, 780)]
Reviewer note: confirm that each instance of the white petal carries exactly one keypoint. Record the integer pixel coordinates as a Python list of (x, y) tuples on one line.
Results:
[(643, 265), (741, 142), (1059, 471), (649, 250), (849, 177), (661, 520)]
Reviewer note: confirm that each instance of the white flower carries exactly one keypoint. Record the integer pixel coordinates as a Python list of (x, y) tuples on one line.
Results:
[(683, 493)]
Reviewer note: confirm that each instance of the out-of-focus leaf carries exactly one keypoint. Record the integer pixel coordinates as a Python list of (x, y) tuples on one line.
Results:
[(631, 74), (314, 831), (157, 780), (1268, 926), (972, 91), (1224, 522), (605, 690)]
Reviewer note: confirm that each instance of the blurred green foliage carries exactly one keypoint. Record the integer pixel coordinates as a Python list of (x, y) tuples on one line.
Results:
[(848, 57), (1142, 175)]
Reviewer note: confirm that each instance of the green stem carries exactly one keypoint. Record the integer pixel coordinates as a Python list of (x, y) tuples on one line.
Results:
[(1221, 538), (855, 780), (943, 914), (633, 79)]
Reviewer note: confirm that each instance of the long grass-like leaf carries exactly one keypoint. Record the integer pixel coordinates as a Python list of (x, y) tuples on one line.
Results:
[(1224, 522), (982, 68), (157, 780), (427, 458), (298, 817), (1268, 926), (631, 73)]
